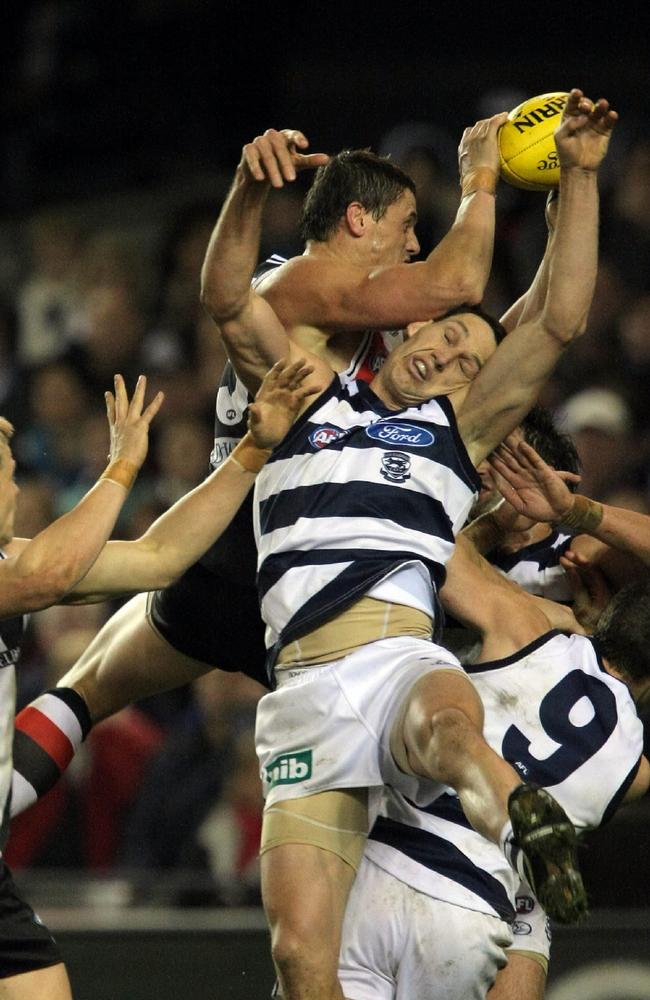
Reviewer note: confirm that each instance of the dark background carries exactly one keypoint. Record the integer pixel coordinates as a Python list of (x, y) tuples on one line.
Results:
[(98, 97)]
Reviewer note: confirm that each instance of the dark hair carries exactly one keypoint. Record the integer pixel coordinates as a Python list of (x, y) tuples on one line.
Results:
[(495, 325), (557, 449), (352, 175), (623, 632)]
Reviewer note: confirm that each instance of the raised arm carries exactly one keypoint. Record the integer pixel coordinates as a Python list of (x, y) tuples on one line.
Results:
[(254, 338), (538, 491), (180, 536), (506, 616), (531, 303), (335, 295), (38, 573), (510, 382)]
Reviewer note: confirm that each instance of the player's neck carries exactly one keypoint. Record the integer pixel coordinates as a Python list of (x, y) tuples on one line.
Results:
[(514, 541)]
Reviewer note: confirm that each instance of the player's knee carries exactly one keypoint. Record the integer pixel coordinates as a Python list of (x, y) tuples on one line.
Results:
[(296, 959)]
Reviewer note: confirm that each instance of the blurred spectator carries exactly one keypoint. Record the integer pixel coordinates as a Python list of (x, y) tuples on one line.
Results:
[(205, 762), (58, 404), (47, 300), (600, 423), (429, 154)]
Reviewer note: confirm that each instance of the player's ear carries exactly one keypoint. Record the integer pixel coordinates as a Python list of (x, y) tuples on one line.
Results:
[(356, 218), (413, 328)]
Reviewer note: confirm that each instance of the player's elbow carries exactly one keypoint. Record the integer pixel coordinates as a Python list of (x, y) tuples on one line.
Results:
[(41, 588)]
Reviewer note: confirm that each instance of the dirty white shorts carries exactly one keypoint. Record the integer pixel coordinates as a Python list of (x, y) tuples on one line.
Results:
[(401, 944), (328, 726)]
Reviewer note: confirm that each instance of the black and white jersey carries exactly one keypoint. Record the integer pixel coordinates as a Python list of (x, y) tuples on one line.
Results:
[(234, 552), (563, 722), (536, 567), (354, 492), (12, 631)]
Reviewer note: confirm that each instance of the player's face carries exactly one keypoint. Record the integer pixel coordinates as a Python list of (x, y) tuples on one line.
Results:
[(392, 238), (439, 359), (8, 488)]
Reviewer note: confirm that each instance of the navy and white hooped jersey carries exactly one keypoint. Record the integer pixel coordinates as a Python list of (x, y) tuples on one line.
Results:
[(12, 631), (236, 548), (536, 568), (563, 722), (354, 492)]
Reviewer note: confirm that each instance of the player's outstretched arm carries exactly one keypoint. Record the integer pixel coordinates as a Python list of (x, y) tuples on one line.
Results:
[(539, 491), (38, 573), (183, 533), (510, 382), (269, 161), (337, 295)]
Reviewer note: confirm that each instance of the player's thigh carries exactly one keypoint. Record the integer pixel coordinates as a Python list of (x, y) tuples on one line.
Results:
[(523, 978), (127, 661), (304, 892), (51, 983)]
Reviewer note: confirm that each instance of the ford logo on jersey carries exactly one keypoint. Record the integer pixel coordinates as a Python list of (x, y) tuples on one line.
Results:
[(322, 436), (406, 435)]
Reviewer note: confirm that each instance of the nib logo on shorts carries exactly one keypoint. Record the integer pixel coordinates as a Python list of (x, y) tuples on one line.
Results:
[(289, 768)]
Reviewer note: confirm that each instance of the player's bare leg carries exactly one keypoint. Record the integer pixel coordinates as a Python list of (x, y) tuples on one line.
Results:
[(521, 979), (52, 983), (305, 890), (127, 661), (438, 734)]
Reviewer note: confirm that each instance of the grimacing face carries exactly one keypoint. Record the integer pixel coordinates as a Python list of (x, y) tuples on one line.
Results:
[(438, 359), (8, 488), (393, 236)]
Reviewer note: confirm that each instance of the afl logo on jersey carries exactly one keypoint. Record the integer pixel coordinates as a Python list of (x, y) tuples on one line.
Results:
[(406, 435), (395, 466), (322, 436)]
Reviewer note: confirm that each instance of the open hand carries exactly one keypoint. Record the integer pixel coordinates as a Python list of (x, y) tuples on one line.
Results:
[(128, 422), (279, 401), (529, 484), (276, 156), (583, 135)]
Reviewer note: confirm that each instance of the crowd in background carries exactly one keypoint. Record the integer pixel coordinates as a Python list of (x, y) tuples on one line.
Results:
[(172, 783)]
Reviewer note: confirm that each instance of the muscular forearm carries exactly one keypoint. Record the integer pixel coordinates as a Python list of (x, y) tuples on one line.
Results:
[(53, 562), (233, 249), (626, 530), (176, 539), (531, 302), (574, 262)]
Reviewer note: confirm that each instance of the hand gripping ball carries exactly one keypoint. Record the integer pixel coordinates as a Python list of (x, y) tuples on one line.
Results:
[(527, 154)]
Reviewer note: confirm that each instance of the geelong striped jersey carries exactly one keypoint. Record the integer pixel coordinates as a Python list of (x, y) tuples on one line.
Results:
[(563, 722), (354, 492), (537, 567), (235, 549), (11, 637)]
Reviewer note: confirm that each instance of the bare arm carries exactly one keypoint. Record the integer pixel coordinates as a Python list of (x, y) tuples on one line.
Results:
[(336, 296), (531, 303), (510, 382), (540, 492), (180, 536), (40, 572), (480, 597)]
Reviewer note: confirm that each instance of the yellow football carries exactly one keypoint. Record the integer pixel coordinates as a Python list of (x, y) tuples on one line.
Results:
[(527, 154)]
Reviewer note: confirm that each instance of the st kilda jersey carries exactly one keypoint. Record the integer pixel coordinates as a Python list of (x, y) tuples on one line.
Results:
[(12, 631)]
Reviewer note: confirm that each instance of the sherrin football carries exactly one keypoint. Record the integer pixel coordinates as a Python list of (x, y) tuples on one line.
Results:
[(527, 154)]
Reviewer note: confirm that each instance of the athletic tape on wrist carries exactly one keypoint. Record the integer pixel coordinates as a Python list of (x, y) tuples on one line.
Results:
[(249, 457), (585, 515), (480, 179), (121, 472)]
